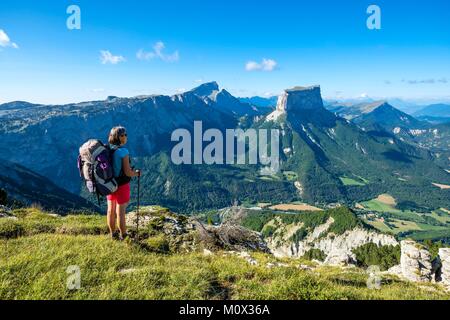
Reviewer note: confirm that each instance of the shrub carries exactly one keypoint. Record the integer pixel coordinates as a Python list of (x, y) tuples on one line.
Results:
[(433, 247), (344, 219), (3, 197), (384, 256), (256, 221), (315, 254), (299, 235), (268, 231)]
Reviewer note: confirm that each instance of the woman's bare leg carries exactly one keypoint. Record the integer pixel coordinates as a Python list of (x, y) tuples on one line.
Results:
[(121, 210), (111, 216)]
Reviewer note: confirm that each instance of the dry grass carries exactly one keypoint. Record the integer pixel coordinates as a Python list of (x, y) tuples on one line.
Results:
[(387, 199), (295, 207)]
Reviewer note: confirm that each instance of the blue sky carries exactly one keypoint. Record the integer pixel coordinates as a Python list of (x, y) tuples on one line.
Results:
[(302, 42)]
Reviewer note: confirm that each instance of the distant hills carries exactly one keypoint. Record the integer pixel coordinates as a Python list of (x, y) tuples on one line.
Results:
[(383, 117), (434, 110), (435, 113), (379, 116)]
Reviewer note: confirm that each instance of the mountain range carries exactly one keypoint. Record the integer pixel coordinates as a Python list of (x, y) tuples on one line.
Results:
[(434, 113), (382, 117), (325, 158)]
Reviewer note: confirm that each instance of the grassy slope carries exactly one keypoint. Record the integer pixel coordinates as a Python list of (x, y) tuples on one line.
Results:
[(34, 267), (351, 182)]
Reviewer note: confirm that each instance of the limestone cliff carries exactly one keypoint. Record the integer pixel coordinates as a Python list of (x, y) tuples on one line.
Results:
[(336, 247)]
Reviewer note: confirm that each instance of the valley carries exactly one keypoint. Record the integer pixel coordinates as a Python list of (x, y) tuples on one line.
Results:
[(326, 159), (382, 213)]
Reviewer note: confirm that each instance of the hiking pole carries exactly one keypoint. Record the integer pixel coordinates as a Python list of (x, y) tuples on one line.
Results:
[(138, 203)]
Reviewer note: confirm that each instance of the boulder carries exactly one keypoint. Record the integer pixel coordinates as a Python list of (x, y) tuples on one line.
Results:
[(339, 258), (395, 270), (5, 212), (415, 262), (444, 255)]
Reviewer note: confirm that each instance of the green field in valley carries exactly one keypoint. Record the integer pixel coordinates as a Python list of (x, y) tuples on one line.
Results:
[(387, 218), (352, 182)]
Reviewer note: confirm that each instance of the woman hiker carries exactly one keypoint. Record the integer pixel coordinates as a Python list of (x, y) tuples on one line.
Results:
[(118, 201)]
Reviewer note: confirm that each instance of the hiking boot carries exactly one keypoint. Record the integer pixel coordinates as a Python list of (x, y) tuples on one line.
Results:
[(115, 235), (124, 236)]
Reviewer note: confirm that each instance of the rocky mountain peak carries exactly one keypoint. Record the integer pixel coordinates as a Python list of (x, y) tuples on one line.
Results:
[(206, 89), (377, 105), (297, 99), (300, 98)]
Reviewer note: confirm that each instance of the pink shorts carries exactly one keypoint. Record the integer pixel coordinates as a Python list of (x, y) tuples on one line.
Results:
[(122, 195)]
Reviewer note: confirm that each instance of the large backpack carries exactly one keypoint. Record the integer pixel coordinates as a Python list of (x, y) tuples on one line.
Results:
[(96, 169)]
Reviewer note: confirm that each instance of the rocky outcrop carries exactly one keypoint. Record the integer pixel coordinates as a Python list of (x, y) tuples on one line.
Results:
[(337, 248), (444, 255), (415, 261), (5, 212), (184, 233), (416, 265)]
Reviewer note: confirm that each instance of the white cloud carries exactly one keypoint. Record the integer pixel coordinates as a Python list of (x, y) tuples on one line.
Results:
[(107, 57), (158, 53), (427, 81), (5, 41), (265, 65), (363, 95)]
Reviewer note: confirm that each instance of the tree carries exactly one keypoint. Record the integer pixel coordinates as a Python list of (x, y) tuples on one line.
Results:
[(3, 197)]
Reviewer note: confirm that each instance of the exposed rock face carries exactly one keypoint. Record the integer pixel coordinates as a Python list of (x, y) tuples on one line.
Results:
[(300, 98), (337, 248), (444, 255), (416, 265), (304, 100), (206, 89), (415, 262)]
